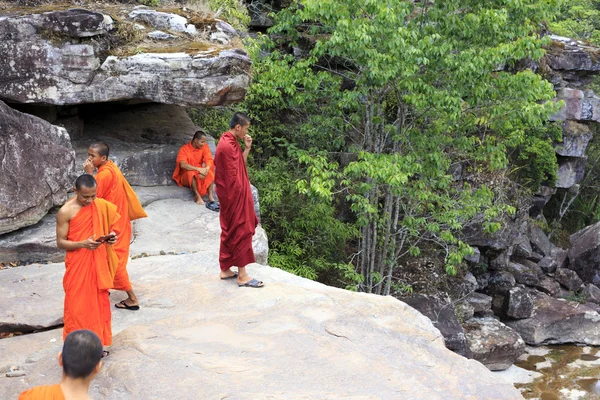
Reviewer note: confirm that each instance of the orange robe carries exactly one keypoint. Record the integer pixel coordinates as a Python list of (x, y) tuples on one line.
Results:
[(89, 273), (53, 392), (198, 158), (113, 187)]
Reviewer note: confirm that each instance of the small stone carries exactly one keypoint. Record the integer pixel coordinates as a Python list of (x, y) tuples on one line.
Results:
[(15, 374)]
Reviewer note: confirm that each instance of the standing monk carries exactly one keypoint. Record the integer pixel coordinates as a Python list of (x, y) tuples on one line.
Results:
[(113, 187), (238, 220), (80, 360), (86, 227), (195, 169)]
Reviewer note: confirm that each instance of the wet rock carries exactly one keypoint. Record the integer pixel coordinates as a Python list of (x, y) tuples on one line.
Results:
[(557, 321), (500, 282), (592, 293), (584, 254), (576, 137), (36, 169), (518, 303), (441, 312), (548, 264), (568, 279), (549, 286), (480, 302), (492, 343)]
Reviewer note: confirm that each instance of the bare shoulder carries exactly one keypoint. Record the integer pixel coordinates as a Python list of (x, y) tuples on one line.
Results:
[(67, 211)]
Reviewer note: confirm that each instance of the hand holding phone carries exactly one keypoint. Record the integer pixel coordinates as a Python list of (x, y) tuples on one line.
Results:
[(105, 238)]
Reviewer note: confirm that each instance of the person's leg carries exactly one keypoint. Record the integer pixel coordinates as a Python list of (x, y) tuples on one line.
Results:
[(227, 274), (197, 196), (211, 192)]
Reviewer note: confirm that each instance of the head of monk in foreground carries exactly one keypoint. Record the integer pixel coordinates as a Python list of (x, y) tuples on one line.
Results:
[(239, 124), (98, 153), (85, 189), (81, 355), (199, 139)]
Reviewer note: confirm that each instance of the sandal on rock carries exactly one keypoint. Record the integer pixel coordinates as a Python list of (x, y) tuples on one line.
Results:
[(123, 306), (252, 283)]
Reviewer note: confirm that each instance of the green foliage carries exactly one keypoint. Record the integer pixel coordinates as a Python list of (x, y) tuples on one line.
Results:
[(233, 11), (150, 3), (579, 19), (410, 89)]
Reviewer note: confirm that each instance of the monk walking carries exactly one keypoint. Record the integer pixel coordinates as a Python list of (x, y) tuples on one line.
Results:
[(195, 169), (86, 229), (80, 360), (238, 219), (113, 187)]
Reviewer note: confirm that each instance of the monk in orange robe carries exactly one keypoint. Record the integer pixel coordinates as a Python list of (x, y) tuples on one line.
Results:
[(86, 229), (194, 168), (80, 360), (113, 187), (237, 217)]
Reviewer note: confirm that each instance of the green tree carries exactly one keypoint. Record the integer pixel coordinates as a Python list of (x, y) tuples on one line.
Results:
[(414, 91), (578, 19)]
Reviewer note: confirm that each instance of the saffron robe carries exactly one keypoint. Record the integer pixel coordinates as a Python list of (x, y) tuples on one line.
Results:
[(197, 158), (90, 273), (113, 187), (53, 392), (237, 216)]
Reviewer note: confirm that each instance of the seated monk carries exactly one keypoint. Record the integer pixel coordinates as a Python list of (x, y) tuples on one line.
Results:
[(195, 169), (86, 229), (80, 360)]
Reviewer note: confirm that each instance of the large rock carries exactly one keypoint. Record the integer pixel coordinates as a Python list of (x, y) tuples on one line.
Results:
[(492, 343), (36, 169), (565, 54), (36, 243), (518, 303), (34, 69), (191, 326), (557, 321), (441, 312), (571, 170), (475, 234), (163, 20), (500, 282), (481, 303), (576, 137), (569, 279), (525, 272), (584, 254)]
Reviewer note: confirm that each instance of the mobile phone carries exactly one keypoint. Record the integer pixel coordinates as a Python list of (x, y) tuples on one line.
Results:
[(105, 238)]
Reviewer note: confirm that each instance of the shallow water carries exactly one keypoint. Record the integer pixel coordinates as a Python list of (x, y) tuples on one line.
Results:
[(569, 372)]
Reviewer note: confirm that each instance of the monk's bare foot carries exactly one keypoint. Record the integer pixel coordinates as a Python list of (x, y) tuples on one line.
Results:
[(199, 200), (228, 274)]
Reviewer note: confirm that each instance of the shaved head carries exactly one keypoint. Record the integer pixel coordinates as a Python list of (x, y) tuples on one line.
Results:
[(85, 181), (82, 351), (101, 148), (199, 134)]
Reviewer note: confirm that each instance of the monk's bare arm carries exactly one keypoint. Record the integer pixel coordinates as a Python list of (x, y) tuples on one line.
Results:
[(62, 230)]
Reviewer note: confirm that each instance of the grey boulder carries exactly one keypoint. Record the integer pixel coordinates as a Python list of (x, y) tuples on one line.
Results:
[(492, 343)]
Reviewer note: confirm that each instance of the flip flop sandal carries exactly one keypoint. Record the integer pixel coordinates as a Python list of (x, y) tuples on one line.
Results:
[(124, 306), (253, 283)]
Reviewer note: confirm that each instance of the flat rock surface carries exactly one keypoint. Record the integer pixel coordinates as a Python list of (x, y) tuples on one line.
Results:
[(195, 336)]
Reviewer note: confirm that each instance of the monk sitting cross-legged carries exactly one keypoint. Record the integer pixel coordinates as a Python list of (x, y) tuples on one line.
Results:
[(194, 168), (80, 360), (86, 229), (113, 187)]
